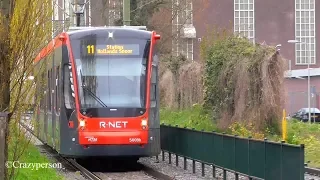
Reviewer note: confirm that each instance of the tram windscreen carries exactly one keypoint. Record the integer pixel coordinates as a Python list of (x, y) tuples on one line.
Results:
[(112, 73)]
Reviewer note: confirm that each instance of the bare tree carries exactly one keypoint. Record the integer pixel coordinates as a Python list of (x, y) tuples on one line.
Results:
[(105, 12), (26, 26), (179, 77), (6, 12), (171, 20)]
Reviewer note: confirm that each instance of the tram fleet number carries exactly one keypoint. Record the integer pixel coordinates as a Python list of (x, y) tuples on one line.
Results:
[(134, 140), (131, 140)]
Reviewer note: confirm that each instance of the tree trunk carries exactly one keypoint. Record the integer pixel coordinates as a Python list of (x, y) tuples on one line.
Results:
[(5, 72), (4, 106), (3, 145)]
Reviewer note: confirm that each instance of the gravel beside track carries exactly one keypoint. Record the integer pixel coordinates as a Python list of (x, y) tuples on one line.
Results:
[(180, 174), (125, 176), (312, 174), (117, 169), (188, 173), (311, 177)]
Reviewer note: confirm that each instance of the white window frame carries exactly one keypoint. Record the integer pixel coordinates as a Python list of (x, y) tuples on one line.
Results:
[(244, 21), (175, 27), (180, 17), (114, 11), (305, 32), (189, 14)]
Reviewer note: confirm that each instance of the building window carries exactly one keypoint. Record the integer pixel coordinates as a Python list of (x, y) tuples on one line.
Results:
[(305, 32), (244, 18), (182, 28), (114, 10)]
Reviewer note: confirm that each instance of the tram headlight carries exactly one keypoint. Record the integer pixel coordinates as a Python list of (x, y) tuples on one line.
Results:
[(82, 124), (144, 123)]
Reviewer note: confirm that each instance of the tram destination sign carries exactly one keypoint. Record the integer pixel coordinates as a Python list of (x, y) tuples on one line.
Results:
[(119, 49)]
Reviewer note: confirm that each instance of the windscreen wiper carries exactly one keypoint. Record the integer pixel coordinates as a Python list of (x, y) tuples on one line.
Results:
[(91, 93), (94, 96)]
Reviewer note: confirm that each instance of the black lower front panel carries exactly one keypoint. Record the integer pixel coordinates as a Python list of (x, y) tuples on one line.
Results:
[(107, 151), (70, 148)]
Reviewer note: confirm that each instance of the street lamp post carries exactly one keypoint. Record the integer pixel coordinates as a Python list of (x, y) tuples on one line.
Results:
[(309, 59), (79, 9)]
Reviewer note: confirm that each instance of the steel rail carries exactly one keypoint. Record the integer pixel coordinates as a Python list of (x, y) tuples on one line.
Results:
[(86, 173), (155, 174), (312, 171)]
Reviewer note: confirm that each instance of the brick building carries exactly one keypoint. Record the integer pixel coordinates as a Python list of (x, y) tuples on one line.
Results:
[(272, 23)]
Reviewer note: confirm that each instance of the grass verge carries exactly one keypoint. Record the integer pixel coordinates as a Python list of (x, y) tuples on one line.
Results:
[(192, 118), (309, 135), (298, 132), (26, 152)]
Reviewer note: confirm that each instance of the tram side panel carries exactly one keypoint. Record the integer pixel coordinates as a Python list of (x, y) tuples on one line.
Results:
[(154, 120), (44, 106), (68, 129), (47, 101), (57, 96), (42, 84), (38, 101), (36, 109), (43, 103), (56, 101), (49, 119), (40, 108)]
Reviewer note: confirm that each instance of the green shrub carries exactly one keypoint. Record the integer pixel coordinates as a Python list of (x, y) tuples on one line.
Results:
[(243, 82)]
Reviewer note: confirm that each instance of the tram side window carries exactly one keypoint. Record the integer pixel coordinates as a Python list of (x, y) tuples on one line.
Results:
[(43, 89), (57, 91), (69, 103), (49, 90), (153, 83), (57, 60), (154, 77), (38, 91)]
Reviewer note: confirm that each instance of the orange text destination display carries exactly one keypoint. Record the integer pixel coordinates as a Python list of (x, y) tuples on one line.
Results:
[(128, 49)]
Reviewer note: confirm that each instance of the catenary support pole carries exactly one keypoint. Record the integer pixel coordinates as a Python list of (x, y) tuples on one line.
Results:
[(126, 12)]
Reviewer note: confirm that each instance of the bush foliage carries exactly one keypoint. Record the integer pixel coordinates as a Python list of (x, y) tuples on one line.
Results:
[(242, 81), (180, 83)]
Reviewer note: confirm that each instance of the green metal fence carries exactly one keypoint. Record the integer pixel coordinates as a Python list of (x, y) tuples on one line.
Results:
[(254, 158)]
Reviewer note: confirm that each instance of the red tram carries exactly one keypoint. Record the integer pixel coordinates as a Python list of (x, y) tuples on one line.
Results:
[(98, 93)]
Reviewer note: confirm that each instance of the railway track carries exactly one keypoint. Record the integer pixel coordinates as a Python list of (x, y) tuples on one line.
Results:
[(86, 173), (312, 171), (72, 165)]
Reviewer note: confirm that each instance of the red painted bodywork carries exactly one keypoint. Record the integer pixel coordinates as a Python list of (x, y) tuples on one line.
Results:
[(112, 135), (55, 43), (119, 136), (104, 136)]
